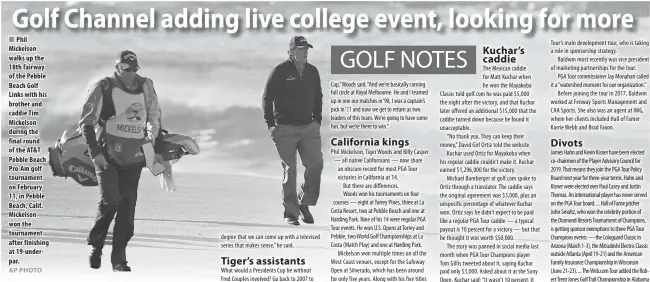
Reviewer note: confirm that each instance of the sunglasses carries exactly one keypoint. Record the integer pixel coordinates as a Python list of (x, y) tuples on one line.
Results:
[(127, 68)]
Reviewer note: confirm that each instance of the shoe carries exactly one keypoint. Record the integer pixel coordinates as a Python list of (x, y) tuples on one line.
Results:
[(305, 215), (121, 267), (291, 221), (95, 258)]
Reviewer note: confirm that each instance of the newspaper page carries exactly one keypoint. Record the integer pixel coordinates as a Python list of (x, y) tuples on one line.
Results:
[(324, 141)]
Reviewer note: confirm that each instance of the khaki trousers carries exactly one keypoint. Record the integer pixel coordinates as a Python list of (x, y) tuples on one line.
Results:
[(306, 141)]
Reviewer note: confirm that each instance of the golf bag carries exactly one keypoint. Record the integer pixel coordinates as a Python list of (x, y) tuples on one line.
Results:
[(69, 157)]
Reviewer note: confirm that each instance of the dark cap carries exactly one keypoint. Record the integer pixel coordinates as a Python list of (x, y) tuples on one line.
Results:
[(127, 57), (299, 41)]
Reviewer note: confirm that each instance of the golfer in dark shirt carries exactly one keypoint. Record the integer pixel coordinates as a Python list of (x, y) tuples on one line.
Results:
[(293, 103)]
